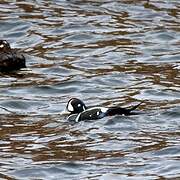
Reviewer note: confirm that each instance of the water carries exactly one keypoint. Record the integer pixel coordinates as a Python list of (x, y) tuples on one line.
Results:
[(106, 53)]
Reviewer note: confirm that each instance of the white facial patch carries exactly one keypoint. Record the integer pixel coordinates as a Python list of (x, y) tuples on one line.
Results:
[(70, 107), (2, 45), (79, 105)]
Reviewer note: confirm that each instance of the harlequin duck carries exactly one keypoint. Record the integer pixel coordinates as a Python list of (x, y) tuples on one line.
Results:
[(79, 111), (10, 59)]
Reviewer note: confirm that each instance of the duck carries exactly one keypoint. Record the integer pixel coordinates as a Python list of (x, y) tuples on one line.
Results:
[(10, 59), (78, 111)]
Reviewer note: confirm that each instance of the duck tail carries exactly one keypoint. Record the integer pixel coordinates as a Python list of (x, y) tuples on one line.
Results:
[(122, 111), (135, 107)]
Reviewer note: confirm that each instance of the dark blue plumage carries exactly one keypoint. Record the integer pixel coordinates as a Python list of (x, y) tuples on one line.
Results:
[(79, 111)]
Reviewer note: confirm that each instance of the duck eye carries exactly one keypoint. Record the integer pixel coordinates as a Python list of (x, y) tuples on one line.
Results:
[(79, 105)]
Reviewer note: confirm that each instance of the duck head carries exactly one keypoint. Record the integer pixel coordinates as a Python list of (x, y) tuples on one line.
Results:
[(75, 106), (4, 46)]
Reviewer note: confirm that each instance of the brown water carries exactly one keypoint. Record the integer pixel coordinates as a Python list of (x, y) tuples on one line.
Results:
[(106, 53)]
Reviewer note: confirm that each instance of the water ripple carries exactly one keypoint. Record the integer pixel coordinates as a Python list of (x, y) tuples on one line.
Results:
[(106, 53)]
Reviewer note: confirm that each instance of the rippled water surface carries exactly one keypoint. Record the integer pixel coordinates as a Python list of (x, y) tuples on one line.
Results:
[(106, 53)]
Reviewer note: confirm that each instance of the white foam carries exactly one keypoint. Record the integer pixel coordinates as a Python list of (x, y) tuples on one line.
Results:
[(64, 112)]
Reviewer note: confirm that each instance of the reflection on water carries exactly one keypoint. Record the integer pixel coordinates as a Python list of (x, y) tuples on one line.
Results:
[(106, 53)]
